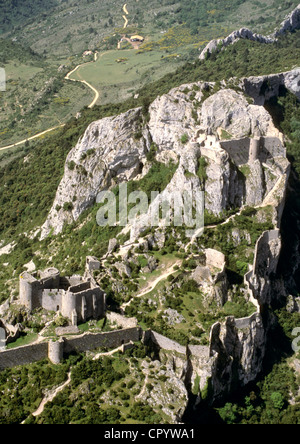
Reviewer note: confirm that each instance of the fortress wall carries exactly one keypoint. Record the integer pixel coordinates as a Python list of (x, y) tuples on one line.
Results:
[(238, 149), (54, 350), (89, 296), (51, 299), (49, 278), (245, 322), (273, 147), (80, 287), (68, 304), (111, 339), (166, 343), (23, 355), (74, 281)]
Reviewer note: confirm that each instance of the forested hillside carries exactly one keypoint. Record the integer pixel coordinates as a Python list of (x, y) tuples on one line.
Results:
[(16, 12)]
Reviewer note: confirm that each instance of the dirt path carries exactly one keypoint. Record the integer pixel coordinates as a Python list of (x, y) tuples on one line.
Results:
[(124, 16), (110, 353), (51, 395), (154, 284), (95, 91), (92, 104), (36, 136)]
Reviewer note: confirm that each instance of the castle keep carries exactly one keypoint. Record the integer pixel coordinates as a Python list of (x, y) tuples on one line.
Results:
[(76, 298)]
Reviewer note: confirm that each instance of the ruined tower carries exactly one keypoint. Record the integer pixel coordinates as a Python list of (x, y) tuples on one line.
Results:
[(56, 351), (254, 147)]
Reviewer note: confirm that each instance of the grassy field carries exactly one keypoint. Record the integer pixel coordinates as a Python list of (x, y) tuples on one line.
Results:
[(118, 74), (34, 102)]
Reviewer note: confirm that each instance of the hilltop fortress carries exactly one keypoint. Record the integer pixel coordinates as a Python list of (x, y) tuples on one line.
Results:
[(243, 150), (76, 298)]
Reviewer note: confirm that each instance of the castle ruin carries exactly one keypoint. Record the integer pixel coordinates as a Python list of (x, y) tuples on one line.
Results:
[(76, 298), (241, 151)]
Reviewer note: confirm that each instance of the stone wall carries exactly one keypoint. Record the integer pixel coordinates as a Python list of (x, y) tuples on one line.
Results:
[(238, 150), (23, 355), (112, 339), (272, 147), (55, 350), (51, 300), (163, 342), (242, 323)]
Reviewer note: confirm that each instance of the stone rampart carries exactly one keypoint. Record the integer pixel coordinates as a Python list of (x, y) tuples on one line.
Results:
[(55, 350), (112, 339), (23, 355), (238, 149), (245, 322)]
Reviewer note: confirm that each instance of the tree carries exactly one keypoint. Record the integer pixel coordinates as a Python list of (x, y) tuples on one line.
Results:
[(277, 400)]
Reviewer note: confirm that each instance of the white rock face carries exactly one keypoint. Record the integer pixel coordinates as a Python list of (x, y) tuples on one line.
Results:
[(238, 348), (108, 152), (171, 117), (114, 150), (263, 88), (230, 111), (291, 23), (243, 33)]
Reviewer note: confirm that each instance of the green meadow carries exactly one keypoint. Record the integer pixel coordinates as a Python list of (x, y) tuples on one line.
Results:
[(117, 74)]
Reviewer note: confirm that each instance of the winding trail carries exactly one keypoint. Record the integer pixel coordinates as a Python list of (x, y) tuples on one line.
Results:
[(92, 104), (124, 16), (95, 91), (154, 284), (33, 137), (51, 395)]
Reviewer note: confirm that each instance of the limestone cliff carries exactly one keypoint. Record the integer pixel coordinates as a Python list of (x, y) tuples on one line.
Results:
[(243, 33), (264, 88), (291, 23), (245, 165), (110, 148), (184, 125)]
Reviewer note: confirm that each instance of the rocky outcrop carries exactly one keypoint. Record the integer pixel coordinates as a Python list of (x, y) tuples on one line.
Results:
[(243, 33), (266, 259), (237, 347), (291, 23), (263, 88), (110, 148), (114, 150)]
